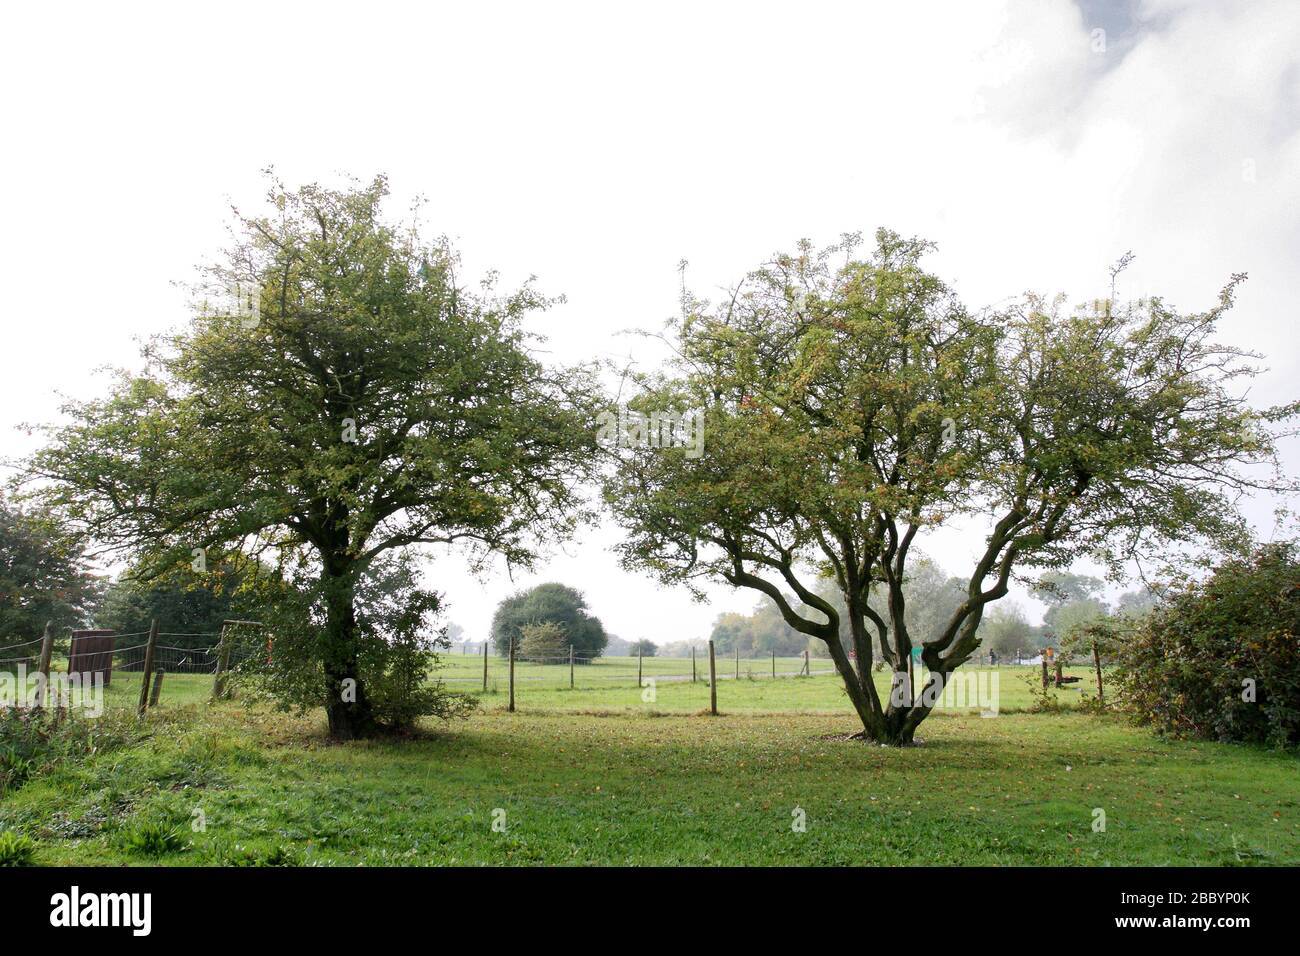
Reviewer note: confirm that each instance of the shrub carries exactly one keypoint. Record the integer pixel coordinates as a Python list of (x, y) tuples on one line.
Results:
[(1220, 659)]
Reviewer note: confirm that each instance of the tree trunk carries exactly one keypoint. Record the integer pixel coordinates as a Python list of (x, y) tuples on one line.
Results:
[(896, 727), (861, 692), (347, 708)]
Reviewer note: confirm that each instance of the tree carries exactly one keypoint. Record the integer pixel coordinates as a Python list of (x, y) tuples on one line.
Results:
[(359, 401), (1072, 605), (615, 646), (553, 602), (189, 602), (732, 633), (852, 405), (44, 577), (643, 648), (1066, 624), (1006, 631), (1136, 603), (1056, 588), (683, 648), (397, 639), (547, 639)]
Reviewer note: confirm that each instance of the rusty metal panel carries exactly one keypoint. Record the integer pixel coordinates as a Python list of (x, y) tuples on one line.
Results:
[(92, 653)]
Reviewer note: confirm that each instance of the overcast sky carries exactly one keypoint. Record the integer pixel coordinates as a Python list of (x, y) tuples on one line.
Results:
[(596, 145)]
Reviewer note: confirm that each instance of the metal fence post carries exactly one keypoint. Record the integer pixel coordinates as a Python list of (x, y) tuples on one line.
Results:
[(713, 683)]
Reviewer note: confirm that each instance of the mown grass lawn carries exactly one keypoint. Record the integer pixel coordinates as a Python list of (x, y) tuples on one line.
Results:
[(628, 788)]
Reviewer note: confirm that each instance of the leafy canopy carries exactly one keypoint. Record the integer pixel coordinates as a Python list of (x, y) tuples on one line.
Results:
[(852, 405)]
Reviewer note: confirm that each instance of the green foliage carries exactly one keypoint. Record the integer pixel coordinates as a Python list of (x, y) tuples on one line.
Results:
[(255, 856), (644, 648), (151, 838), (16, 849), (1220, 659), (373, 403), (1006, 631), (852, 405), (1066, 623), (763, 631), (551, 602), (32, 741), (548, 639), (396, 650), (44, 577), (185, 601), (1057, 588)]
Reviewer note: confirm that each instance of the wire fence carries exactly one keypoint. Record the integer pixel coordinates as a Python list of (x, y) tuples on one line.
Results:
[(187, 668), (488, 666), (97, 669)]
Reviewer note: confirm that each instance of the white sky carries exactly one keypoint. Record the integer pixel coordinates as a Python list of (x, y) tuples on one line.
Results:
[(596, 146)]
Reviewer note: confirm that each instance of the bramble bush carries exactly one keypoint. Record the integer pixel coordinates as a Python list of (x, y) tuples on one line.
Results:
[(1220, 659)]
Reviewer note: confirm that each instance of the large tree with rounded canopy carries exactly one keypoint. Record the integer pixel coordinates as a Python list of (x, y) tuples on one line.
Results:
[(359, 402)]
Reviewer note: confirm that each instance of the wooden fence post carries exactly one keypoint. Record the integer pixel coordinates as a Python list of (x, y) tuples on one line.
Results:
[(43, 665), (1044, 672), (807, 667), (692, 663), (713, 683), (157, 687), (570, 667), (737, 662), (148, 667), (512, 676), (485, 654), (1058, 672), (638, 664), (223, 662), (1096, 661), (774, 665)]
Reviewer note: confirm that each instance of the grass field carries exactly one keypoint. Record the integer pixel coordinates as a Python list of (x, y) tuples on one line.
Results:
[(611, 685), (635, 789)]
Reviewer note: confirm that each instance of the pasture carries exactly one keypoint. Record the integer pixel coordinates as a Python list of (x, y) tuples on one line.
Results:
[(611, 684)]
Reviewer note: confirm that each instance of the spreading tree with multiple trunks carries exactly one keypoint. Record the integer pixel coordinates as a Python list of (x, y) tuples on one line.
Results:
[(853, 406)]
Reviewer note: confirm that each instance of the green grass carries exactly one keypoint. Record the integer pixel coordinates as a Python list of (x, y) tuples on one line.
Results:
[(611, 684), (822, 693), (629, 788)]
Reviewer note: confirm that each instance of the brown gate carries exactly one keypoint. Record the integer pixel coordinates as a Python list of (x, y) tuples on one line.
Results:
[(92, 653)]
